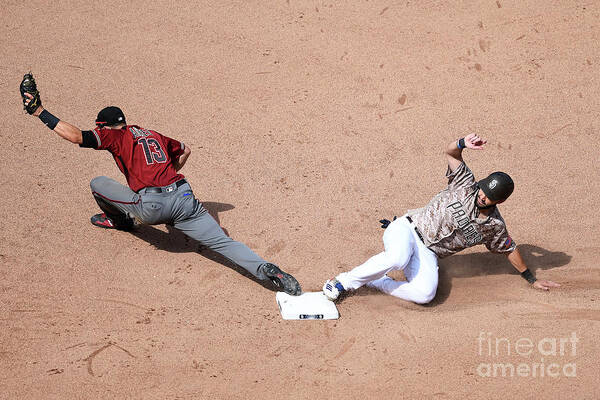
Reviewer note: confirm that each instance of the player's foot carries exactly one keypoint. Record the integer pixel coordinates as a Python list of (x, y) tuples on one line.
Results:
[(333, 289), (102, 221), (282, 280)]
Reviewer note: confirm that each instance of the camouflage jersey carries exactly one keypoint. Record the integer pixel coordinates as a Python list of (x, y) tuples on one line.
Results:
[(450, 222)]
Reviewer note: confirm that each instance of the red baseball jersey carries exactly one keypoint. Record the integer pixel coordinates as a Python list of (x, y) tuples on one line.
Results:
[(144, 156)]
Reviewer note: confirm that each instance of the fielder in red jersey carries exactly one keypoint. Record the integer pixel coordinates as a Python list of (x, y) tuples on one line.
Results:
[(156, 193), (143, 156)]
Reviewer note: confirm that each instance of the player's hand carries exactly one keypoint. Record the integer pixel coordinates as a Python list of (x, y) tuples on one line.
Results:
[(545, 285), (473, 141), (39, 110)]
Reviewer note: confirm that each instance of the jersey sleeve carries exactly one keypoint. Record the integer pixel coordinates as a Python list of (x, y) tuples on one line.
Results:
[(101, 139), (89, 140), (460, 177), (174, 147), (501, 242)]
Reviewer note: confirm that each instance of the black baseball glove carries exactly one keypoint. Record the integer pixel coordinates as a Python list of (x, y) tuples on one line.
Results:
[(28, 86)]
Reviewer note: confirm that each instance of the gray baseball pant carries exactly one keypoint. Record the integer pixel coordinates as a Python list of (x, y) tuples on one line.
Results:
[(176, 206)]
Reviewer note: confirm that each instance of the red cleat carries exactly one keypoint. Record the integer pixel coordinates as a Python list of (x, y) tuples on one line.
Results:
[(103, 221)]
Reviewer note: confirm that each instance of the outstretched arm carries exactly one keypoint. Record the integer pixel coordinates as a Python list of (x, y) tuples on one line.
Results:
[(517, 261), (454, 149), (63, 129)]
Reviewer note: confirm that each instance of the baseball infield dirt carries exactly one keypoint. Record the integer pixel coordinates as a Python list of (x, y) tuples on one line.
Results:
[(308, 122)]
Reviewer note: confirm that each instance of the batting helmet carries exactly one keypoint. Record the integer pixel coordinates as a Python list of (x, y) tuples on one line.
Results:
[(497, 186)]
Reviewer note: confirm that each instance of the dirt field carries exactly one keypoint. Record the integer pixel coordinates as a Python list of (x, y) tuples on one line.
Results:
[(308, 122)]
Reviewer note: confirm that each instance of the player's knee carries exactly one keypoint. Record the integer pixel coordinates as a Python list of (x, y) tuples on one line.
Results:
[(424, 297), (397, 258), (217, 242), (97, 183)]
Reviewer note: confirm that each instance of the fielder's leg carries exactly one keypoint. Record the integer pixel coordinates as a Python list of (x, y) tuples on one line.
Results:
[(198, 224), (119, 203), (203, 228)]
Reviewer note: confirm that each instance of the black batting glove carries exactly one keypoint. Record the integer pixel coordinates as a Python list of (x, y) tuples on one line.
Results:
[(386, 222)]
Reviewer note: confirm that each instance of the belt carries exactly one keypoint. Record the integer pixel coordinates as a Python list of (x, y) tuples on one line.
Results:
[(166, 189), (409, 219)]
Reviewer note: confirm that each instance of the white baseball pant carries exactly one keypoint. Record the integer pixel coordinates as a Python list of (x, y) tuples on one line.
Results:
[(403, 250)]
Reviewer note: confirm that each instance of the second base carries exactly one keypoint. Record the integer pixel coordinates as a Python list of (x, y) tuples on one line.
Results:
[(311, 305)]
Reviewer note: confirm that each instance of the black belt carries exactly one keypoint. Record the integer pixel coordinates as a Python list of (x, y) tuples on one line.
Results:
[(165, 188), (409, 219)]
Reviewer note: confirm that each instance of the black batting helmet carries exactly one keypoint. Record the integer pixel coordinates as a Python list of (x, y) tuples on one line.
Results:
[(497, 186)]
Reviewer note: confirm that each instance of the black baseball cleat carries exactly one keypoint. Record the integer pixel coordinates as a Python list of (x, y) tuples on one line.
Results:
[(282, 280), (102, 221)]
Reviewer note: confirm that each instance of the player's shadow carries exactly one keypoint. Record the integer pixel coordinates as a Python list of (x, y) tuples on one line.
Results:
[(479, 264), (176, 242)]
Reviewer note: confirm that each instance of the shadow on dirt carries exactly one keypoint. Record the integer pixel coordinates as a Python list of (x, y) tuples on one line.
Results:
[(479, 264), (176, 242)]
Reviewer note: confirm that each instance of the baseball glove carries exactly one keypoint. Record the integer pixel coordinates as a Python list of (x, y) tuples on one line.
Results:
[(28, 86)]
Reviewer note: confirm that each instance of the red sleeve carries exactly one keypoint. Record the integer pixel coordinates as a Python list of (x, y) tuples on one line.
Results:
[(107, 139), (174, 147)]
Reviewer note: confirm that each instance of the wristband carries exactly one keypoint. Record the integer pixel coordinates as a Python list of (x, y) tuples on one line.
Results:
[(461, 143), (50, 120), (528, 276)]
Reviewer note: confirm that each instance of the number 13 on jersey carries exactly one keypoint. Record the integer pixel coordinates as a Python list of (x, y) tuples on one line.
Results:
[(152, 150)]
